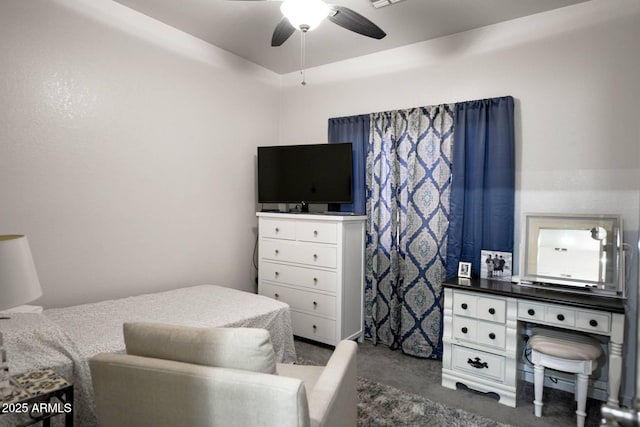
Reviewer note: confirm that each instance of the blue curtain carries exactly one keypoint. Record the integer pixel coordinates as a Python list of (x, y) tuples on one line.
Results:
[(354, 129), (483, 182)]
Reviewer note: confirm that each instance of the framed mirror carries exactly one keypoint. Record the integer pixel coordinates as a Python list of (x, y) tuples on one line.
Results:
[(580, 252)]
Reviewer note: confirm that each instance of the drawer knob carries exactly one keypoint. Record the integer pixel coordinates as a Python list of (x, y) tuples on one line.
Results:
[(277, 274), (277, 229), (315, 327), (477, 363), (593, 322), (531, 312), (276, 296), (464, 306), (315, 256), (315, 304), (464, 330), (560, 317), (315, 280), (315, 232), (492, 310), (492, 336), (277, 252)]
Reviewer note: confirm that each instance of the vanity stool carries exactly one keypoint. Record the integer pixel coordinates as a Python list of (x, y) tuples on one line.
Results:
[(567, 352)]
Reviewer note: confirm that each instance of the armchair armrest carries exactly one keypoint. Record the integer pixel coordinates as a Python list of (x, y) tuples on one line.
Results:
[(334, 400)]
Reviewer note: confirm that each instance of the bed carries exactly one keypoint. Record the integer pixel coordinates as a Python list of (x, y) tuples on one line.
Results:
[(65, 338)]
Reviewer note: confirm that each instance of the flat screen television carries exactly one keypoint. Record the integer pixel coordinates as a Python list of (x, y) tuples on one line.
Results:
[(315, 173)]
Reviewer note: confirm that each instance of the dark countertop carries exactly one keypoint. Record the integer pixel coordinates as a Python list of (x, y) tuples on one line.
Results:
[(585, 299)]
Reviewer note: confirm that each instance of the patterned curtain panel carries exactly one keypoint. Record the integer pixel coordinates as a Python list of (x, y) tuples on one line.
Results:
[(408, 184)]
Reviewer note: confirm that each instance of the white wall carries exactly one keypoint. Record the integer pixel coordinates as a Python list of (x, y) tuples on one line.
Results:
[(127, 150), (575, 75)]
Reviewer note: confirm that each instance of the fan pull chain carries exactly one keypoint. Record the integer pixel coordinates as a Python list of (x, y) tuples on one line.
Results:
[(302, 56)]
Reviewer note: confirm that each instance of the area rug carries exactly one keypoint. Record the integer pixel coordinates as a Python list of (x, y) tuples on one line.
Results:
[(382, 405)]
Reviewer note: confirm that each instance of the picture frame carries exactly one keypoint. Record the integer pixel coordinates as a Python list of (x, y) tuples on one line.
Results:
[(496, 265), (464, 269)]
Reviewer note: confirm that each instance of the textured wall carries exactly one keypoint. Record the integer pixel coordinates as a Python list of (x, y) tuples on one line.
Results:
[(127, 150)]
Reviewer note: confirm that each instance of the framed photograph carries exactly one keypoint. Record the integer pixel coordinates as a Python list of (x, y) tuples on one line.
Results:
[(496, 265), (464, 269)]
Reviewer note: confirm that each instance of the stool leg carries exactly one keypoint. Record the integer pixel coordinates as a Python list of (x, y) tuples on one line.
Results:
[(538, 385), (582, 381)]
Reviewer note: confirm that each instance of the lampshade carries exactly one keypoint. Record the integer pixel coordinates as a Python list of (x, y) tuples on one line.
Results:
[(19, 282), (305, 14)]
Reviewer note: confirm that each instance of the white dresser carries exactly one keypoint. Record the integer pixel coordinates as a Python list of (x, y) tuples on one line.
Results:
[(314, 263)]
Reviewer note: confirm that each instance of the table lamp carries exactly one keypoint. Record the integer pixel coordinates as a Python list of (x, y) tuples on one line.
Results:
[(18, 285)]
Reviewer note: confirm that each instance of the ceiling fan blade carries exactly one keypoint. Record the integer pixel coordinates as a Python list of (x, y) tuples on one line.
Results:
[(282, 32), (353, 21)]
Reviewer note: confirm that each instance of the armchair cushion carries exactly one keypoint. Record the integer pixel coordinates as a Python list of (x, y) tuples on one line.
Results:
[(248, 349)]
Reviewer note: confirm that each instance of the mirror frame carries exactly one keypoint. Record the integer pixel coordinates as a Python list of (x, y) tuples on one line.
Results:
[(532, 223)]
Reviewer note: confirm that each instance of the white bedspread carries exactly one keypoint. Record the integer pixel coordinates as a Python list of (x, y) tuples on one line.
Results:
[(65, 338)]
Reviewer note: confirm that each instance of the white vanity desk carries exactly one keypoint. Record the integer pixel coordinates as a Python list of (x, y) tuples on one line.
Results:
[(484, 322)]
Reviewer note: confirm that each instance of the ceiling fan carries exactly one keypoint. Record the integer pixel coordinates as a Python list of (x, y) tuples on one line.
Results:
[(305, 15)]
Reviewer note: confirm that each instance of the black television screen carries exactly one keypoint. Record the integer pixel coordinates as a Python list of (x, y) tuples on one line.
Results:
[(316, 173)]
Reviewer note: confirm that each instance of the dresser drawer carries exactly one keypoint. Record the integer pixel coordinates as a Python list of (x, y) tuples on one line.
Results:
[(318, 232), (277, 229), (308, 254), (313, 327), (321, 280), (324, 305), (478, 362), (317, 256)]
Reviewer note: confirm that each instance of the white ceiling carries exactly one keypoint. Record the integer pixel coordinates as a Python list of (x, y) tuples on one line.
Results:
[(245, 27)]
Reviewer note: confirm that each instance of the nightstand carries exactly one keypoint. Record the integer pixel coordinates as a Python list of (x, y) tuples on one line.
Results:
[(38, 396)]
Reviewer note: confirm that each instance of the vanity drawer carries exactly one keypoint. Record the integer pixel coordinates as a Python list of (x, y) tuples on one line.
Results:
[(561, 316), (493, 309), (464, 304), (530, 311), (311, 302), (321, 280), (317, 232), (277, 229), (478, 362), (491, 334), (484, 308), (593, 321), (465, 329), (479, 332)]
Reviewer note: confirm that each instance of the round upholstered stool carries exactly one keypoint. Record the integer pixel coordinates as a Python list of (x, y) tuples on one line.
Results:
[(568, 352)]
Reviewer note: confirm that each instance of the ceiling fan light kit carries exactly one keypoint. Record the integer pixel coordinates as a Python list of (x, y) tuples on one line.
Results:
[(305, 14)]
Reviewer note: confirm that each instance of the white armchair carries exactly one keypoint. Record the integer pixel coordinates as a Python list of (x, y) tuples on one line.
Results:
[(184, 376)]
